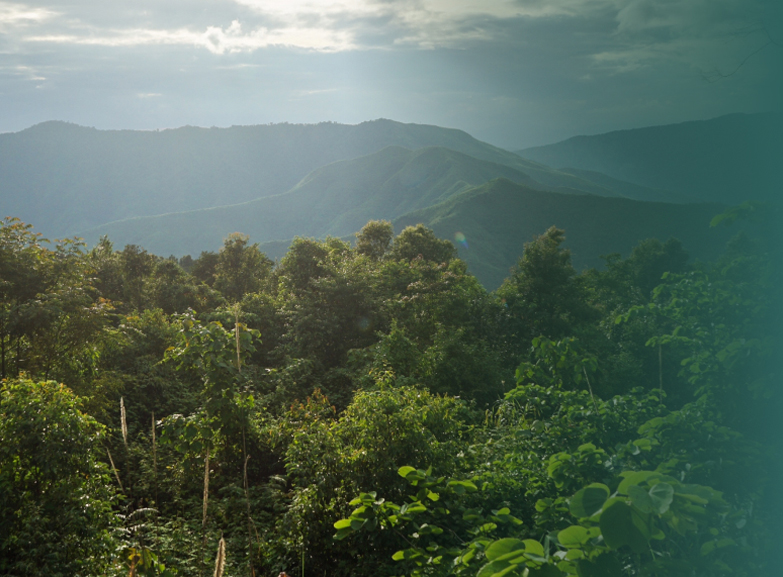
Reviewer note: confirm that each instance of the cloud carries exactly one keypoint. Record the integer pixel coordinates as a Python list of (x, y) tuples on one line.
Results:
[(22, 15), (249, 25), (700, 34), (215, 39)]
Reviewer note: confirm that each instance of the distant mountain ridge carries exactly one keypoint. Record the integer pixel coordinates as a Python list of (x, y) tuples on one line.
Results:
[(337, 199), (728, 159), (67, 178), (499, 217)]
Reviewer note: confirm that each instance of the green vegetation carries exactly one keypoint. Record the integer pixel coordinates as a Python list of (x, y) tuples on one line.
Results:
[(375, 410), (499, 217)]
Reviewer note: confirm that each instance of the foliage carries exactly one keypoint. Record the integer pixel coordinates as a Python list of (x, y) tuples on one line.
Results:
[(55, 494), (240, 269), (327, 460), (647, 523), (420, 242), (545, 418), (374, 239), (543, 295)]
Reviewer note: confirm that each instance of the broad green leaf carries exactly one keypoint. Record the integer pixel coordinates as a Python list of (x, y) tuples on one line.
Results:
[(633, 478), (573, 536), (405, 471), (534, 547), (497, 569), (589, 500), (661, 496), (462, 487), (543, 504), (641, 499), (342, 524), (427, 529), (503, 547), (466, 558), (412, 508)]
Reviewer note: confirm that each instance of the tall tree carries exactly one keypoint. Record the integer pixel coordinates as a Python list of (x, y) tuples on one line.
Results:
[(543, 295), (374, 239), (241, 268), (420, 241)]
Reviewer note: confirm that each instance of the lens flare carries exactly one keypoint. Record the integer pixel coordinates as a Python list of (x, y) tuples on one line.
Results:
[(459, 238)]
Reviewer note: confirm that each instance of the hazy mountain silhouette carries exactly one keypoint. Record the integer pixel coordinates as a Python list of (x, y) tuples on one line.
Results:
[(67, 178), (729, 159), (337, 199)]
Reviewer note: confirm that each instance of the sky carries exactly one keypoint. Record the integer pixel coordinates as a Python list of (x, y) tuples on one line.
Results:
[(514, 73)]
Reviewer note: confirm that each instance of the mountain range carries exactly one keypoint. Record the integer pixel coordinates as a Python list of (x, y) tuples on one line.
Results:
[(68, 178), (182, 191)]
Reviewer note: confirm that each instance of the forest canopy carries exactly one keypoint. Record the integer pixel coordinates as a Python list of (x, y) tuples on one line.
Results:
[(372, 409)]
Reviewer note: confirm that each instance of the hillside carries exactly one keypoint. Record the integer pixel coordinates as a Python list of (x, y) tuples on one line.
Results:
[(68, 178), (337, 200), (728, 159), (498, 217)]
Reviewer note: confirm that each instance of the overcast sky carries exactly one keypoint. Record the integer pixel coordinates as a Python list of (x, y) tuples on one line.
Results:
[(515, 73)]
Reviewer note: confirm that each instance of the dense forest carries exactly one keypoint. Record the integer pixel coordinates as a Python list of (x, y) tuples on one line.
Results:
[(369, 408)]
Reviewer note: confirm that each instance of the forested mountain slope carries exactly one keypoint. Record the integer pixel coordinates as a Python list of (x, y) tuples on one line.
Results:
[(67, 178), (729, 159), (333, 200), (498, 217)]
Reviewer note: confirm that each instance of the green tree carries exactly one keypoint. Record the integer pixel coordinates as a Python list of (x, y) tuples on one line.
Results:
[(303, 263), (136, 265), (174, 291), (203, 268), (374, 239), (55, 496), (420, 241), (23, 266), (241, 268), (543, 295)]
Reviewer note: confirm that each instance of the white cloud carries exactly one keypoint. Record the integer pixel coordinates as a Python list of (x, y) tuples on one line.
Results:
[(21, 15), (215, 39)]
